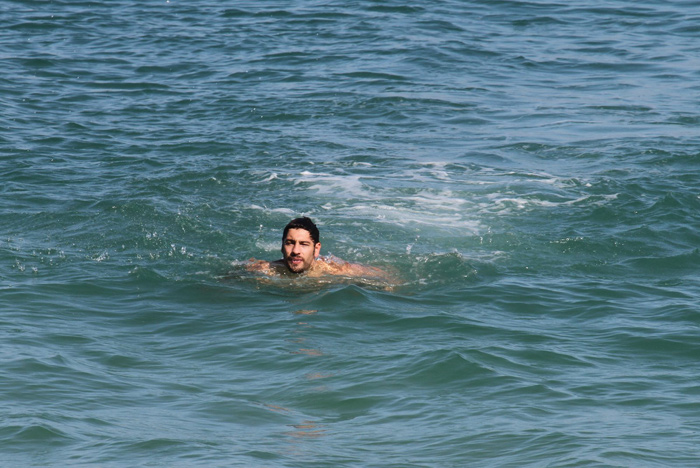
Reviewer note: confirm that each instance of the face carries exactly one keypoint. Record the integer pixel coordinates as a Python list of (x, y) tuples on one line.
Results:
[(299, 250)]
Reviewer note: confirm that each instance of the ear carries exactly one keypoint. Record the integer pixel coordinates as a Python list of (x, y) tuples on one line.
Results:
[(317, 249)]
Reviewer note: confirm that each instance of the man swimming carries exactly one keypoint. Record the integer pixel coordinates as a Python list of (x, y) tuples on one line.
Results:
[(301, 247)]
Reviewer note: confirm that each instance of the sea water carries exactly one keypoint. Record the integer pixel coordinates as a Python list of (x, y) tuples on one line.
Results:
[(529, 170)]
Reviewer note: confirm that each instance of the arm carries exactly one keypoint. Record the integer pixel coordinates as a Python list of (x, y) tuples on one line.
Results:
[(336, 266), (260, 266)]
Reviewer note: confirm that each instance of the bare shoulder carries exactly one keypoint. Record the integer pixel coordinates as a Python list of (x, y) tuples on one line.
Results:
[(264, 267), (256, 265), (259, 266), (336, 266)]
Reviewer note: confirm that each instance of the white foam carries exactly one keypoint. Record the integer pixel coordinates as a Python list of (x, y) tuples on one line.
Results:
[(351, 196), (519, 202), (432, 194), (323, 183), (429, 215)]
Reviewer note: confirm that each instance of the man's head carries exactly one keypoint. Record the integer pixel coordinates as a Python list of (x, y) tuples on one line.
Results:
[(300, 244)]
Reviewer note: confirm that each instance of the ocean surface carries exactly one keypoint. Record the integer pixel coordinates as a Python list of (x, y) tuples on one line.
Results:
[(528, 170)]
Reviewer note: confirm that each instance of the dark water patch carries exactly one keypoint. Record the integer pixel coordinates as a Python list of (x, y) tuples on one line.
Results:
[(690, 29), (449, 369), (127, 86), (628, 11), (274, 13), (440, 26), (374, 76), (625, 108), (683, 264), (38, 433), (651, 345), (628, 67), (235, 13), (537, 21), (684, 120), (677, 309), (395, 9), (49, 374), (38, 63), (38, 24)]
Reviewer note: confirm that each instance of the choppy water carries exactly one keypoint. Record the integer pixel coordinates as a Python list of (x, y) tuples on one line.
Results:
[(531, 170)]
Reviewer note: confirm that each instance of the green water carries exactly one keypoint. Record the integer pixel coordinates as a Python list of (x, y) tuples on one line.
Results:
[(529, 172)]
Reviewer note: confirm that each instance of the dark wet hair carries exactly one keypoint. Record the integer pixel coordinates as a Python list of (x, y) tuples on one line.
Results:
[(302, 223)]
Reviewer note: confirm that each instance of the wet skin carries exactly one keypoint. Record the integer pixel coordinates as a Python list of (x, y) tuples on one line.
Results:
[(301, 255), (299, 251)]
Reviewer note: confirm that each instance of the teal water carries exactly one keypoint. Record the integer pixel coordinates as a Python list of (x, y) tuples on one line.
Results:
[(530, 170)]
